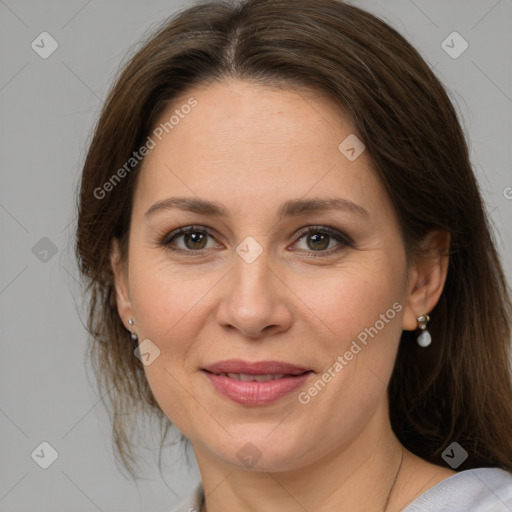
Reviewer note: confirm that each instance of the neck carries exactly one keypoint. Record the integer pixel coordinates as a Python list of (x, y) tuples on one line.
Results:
[(360, 476)]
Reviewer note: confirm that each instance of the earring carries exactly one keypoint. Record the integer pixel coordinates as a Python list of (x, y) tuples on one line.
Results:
[(132, 334), (424, 339)]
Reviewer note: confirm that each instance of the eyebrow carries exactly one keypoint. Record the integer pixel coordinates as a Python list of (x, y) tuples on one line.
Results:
[(291, 208)]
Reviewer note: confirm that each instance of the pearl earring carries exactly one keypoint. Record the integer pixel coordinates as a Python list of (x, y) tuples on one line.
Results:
[(424, 339), (132, 334)]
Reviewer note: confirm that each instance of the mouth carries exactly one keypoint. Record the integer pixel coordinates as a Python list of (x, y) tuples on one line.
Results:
[(255, 383), (254, 368), (247, 377)]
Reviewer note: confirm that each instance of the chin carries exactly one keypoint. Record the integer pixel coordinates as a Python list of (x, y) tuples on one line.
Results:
[(252, 448)]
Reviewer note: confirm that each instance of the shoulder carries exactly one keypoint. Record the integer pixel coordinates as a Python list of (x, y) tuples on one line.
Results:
[(193, 502), (474, 490)]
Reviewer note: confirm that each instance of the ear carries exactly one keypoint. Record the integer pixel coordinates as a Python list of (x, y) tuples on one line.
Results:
[(426, 277), (120, 270)]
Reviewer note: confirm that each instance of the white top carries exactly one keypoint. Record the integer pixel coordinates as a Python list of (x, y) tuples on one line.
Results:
[(473, 490)]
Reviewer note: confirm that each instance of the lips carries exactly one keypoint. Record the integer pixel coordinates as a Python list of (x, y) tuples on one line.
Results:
[(255, 383), (239, 366), (246, 377)]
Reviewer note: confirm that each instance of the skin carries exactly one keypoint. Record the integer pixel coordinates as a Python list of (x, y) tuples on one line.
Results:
[(251, 148)]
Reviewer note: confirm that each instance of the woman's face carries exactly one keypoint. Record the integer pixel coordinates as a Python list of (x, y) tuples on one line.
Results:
[(301, 263)]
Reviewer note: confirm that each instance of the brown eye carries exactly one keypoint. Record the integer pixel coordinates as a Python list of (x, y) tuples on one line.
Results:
[(322, 240), (195, 240), (317, 241), (189, 239)]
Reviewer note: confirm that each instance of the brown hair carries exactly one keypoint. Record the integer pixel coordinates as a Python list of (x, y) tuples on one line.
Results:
[(460, 388)]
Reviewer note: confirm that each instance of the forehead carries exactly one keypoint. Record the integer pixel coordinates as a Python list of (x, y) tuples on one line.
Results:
[(243, 140), (227, 112)]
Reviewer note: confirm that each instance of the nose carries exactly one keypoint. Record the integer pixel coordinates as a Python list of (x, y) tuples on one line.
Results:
[(255, 301)]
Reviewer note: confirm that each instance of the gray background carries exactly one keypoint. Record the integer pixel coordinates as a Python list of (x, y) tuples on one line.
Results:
[(47, 111)]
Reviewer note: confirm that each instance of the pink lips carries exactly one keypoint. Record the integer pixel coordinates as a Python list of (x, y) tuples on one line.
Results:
[(275, 380)]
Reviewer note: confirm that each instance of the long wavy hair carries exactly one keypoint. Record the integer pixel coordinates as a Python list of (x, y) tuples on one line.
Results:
[(459, 389)]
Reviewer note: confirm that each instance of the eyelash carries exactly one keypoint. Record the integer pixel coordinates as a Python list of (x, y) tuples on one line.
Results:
[(343, 239)]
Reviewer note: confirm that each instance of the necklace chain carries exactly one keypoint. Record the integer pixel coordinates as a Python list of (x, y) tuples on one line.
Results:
[(394, 482), (203, 507)]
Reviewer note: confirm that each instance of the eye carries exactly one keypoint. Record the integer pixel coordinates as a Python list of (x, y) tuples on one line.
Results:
[(322, 240), (190, 239)]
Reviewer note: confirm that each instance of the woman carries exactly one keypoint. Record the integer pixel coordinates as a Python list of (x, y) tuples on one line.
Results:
[(279, 210)]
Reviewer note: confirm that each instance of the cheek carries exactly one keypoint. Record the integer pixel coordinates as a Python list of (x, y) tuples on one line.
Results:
[(165, 298), (357, 312), (168, 308), (362, 309), (354, 297)]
